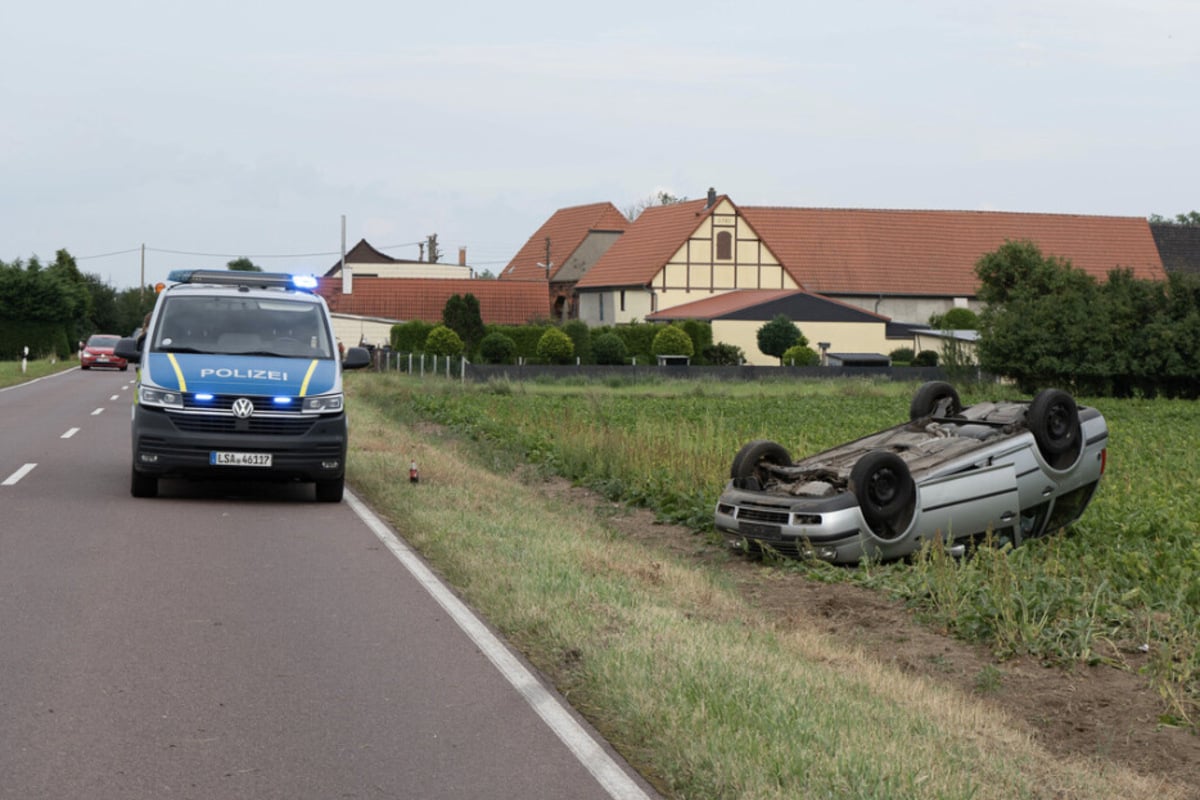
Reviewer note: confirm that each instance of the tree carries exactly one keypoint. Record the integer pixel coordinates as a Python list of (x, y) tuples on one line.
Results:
[(581, 338), (723, 355), (672, 341), (555, 347), (1189, 219), (956, 319), (659, 198), (243, 264), (443, 342), (775, 337), (461, 314)]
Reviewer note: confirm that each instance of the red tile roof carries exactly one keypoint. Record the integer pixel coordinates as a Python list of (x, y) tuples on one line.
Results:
[(649, 243), (566, 229), (847, 251), (500, 302)]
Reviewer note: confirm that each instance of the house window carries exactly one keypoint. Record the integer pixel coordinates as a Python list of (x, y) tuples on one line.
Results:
[(600, 298), (622, 299), (724, 246)]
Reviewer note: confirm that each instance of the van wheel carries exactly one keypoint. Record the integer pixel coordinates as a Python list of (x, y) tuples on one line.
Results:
[(885, 491), (935, 398), (330, 491), (143, 485)]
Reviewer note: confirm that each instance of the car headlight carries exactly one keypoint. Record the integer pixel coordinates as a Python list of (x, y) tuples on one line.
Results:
[(161, 398), (323, 404)]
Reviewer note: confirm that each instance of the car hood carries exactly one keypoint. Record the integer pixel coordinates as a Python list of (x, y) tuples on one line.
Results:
[(245, 375)]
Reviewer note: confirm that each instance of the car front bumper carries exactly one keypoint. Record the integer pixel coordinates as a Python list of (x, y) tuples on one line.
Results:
[(829, 529)]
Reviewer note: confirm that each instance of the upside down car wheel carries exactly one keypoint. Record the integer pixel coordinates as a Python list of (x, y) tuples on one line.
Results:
[(1053, 418), (749, 460), (935, 398), (884, 488)]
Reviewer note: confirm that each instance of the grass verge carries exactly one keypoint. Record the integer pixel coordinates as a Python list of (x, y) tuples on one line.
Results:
[(693, 686), (10, 371)]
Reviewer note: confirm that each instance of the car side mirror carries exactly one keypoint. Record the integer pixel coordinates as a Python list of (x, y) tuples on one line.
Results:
[(356, 358), (127, 348)]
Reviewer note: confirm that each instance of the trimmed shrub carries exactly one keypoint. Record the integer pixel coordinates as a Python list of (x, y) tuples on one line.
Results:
[(672, 341), (555, 347), (902, 356), (497, 348), (608, 348), (800, 356), (925, 358), (724, 355), (442, 341)]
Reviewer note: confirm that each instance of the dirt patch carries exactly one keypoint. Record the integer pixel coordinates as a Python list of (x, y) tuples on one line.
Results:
[(1100, 712)]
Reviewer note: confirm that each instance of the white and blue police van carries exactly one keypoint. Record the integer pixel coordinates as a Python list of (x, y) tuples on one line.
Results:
[(240, 378)]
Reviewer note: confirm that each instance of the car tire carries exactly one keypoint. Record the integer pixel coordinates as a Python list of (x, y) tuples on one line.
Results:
[(143, 485), (84, 366), (747, 461), (1053, 418), (331, 491), (884, 488), (929, 396)]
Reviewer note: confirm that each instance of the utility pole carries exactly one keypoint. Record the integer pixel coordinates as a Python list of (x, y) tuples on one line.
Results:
[(548, 264), (142, 281)]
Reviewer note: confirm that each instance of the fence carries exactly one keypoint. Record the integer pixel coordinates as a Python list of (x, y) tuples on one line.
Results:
[(458, 368)]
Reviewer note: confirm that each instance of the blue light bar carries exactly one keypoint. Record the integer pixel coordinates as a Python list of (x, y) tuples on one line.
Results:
[(203, 398), (304, 281), (283, 401)]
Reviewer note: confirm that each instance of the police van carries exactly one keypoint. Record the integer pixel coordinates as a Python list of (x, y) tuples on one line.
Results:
[(240, 378)]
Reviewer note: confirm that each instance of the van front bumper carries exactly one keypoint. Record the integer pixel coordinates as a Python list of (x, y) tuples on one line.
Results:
[(302, 447)]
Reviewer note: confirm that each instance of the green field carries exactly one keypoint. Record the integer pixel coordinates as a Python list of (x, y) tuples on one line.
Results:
[(1124, 578)]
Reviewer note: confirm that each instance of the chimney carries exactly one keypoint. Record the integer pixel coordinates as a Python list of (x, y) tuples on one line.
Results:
[(712, 197), (462, 256)]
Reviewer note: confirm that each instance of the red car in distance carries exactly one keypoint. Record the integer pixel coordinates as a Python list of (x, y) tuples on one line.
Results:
[(98, 352)]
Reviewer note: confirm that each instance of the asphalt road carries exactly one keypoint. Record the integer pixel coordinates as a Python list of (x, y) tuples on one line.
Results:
[(241, 640)]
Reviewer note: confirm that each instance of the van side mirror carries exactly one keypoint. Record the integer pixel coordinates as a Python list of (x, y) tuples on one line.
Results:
[(356, 358), (127, 348)]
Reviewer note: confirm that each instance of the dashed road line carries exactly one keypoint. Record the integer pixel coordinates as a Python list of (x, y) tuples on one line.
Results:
[(70, 432), (98, 412), (12, 480)]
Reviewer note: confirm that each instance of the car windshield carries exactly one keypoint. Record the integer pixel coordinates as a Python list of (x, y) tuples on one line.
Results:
[(102, 341), (240, 325)]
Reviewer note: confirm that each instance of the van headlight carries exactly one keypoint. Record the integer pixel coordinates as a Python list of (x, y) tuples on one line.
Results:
[(323, 404), (159, 398)]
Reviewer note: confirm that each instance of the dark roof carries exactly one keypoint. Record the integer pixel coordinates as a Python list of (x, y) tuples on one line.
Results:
[(362, 253), (1179, 246), (755, 304), (566, 229), (500, 302)]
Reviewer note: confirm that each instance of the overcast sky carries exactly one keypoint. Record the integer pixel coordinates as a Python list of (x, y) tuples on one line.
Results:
[(207, 131)]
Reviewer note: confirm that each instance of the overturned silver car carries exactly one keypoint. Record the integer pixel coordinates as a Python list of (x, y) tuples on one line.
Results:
[(1009, 470)]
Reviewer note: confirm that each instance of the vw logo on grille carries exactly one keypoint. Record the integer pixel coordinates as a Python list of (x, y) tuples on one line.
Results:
[(243, 408)]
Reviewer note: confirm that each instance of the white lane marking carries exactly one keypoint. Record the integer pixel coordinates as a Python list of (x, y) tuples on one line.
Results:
[(70, 432), (98, 412), (11, 480), (115, 397), (591, 755)]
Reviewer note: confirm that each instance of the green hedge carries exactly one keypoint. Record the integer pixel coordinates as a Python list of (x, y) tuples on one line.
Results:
[(41, 337)]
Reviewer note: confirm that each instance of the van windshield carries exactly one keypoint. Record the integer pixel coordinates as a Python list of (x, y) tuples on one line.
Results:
[(242, 326)]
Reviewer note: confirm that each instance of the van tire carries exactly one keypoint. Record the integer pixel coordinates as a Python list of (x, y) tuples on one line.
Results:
[(142, 485), (331, 491)]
